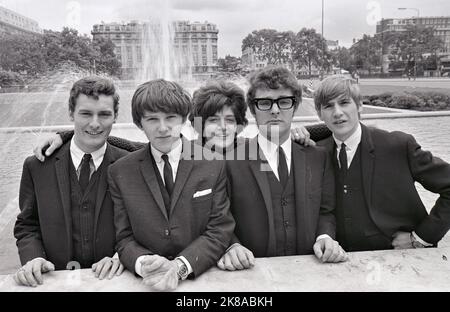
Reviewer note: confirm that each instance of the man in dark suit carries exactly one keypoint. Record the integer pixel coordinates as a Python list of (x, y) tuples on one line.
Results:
[(66, 219), (281, 194), (172, 212), (378, 206)]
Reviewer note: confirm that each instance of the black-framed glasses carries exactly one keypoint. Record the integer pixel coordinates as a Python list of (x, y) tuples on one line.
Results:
[(284, 103)]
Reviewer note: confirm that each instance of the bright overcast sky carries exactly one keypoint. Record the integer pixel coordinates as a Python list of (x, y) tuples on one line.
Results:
[(344, 19)]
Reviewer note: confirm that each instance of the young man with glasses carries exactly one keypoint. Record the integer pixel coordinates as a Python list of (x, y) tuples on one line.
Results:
[(281, 194)]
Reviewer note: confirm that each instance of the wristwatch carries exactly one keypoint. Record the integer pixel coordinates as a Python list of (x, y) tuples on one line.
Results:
[(182, 269), (415, 242)]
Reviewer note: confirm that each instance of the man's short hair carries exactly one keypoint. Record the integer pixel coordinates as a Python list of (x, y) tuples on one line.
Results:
[(214, 96), (334, 86), (160, 95), (93, 86), (273, 77)]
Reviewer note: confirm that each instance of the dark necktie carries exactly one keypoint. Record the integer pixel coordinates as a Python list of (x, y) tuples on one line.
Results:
[(283, 172), (85, 172), (343, 159), (168, 176)]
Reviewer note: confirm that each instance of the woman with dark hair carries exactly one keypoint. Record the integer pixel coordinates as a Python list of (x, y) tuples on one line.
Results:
[(218, 114)]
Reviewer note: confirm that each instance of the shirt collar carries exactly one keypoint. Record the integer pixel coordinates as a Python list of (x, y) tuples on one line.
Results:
[(77, 154), (269, 148), (174, 154), (352, 142)]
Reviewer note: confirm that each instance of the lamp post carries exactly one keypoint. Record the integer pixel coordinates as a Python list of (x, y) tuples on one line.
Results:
[(415, 42), (323, 49)]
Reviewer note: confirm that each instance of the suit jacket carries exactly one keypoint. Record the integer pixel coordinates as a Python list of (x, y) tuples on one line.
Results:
[(44, 224), (391, 162), (199, 228), (251, 203)]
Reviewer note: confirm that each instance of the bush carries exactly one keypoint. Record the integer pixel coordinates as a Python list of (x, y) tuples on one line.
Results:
[(9, 78), (422, 101)]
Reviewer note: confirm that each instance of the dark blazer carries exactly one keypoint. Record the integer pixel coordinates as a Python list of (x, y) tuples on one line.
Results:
[(251, 203), (391, 162), (199, 228), (44, 224)]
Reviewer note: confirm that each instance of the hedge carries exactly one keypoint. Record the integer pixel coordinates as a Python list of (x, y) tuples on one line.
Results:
[(421, 101)]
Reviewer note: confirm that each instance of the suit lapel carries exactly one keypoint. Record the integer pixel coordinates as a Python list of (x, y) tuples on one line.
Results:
[(367, 163), (150, 177), (256, 166), (184, 169), (102, 185), (62, 176), (302, 173)]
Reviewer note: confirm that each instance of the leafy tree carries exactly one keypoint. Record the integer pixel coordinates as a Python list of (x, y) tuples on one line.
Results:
[(367, 52), (270, 45), (343, 58), (105, 58), (410, 46), (310, 49), (22, 54)]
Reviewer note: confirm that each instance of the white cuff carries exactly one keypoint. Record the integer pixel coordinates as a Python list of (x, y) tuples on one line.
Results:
[(231, 247), (116, 256), (322, 236), (188, 265), (138, 265), (421, 240)]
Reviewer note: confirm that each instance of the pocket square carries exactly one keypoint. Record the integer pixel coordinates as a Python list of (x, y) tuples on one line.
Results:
[(202, 193)]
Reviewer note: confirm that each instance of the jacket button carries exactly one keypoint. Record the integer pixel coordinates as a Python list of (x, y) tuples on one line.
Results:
[(166, 232)]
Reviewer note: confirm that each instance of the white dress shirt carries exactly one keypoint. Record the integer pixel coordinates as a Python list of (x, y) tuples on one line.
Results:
[(351, 145), (270, 151), (77, 156), (174, 158)]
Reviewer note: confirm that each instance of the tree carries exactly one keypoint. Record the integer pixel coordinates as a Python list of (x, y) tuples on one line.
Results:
[(105, 58), (54, 51), (367, 52), (343, 58), (310, 49), (270, 45), (410, 47), (67, 45), (22, 54)]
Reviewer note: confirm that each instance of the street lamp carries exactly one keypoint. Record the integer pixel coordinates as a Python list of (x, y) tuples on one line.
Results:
[(415, 44), (323, 48), (415, 9)]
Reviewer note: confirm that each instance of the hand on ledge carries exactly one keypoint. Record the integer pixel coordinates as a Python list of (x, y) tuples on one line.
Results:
[(31, 273), (159, 273), (107, 264), (328, 250), (236, 258)]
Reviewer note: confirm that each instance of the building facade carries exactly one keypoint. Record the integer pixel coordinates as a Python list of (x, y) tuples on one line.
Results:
[(15, 23), (441, 25), (251, 61), (187, 48)]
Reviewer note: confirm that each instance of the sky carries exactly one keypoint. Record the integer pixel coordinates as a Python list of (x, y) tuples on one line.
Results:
[(343, 20)]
